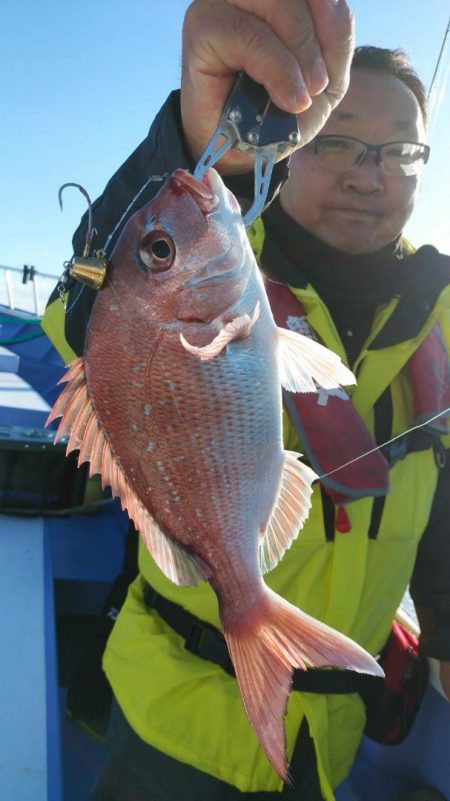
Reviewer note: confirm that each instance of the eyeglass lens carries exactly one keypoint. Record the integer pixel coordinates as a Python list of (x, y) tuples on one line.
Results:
[(345, 153)]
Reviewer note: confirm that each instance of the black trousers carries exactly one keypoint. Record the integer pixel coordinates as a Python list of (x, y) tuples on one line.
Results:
[(135, 771)]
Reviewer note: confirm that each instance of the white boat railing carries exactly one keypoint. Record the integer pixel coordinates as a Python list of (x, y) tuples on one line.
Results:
[(25, 288)]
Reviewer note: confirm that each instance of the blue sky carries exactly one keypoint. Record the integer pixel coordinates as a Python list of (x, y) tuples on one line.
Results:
[(81, 81)]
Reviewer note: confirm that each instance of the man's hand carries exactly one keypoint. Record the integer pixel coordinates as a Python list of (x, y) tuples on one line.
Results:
[(300, 50), (444, 675)]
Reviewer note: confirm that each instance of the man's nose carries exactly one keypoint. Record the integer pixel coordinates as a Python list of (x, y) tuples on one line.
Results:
[(367, 177)]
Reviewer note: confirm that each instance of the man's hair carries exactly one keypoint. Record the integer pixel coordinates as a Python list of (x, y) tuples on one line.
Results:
[(393, 62)]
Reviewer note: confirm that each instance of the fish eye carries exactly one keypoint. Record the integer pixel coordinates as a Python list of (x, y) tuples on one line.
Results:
[(157, 251)]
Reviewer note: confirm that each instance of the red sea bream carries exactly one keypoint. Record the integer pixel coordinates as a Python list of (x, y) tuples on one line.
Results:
[(177, 404)]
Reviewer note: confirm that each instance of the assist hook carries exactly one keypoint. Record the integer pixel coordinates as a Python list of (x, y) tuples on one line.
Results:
[(91, 231), (90, 270)]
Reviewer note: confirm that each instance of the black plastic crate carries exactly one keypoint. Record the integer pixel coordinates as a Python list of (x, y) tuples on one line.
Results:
[(36, 477)]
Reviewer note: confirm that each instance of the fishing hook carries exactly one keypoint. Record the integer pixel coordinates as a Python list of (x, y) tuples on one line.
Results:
[(91, 231)]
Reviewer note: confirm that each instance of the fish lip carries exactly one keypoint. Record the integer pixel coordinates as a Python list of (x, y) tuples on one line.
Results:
[(203, 194), (226, 198)]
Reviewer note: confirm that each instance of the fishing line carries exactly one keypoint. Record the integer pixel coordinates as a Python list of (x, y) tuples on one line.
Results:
[(74, 303), (150, 180), (367, 453)]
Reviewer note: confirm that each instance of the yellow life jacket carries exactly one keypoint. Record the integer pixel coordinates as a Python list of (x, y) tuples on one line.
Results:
[(190, 708)]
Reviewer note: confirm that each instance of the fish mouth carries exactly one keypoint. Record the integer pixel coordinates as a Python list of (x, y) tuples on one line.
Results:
[(210, 193), (201, 191)]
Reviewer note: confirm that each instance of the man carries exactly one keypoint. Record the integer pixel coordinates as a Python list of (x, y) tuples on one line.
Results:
[(333, 235)]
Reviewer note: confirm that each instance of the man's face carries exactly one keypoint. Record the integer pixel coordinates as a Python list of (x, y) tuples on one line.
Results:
[(360, 210)]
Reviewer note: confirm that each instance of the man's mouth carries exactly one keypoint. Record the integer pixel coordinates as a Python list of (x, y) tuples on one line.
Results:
[(353, 211)]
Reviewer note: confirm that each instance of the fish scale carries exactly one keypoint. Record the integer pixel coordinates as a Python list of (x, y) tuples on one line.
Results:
[(180, 393)]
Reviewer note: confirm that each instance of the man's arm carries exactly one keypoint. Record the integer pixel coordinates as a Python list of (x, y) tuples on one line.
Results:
[(430, 584)]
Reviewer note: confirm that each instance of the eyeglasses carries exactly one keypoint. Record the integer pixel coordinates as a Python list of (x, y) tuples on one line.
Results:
[(347, 153)]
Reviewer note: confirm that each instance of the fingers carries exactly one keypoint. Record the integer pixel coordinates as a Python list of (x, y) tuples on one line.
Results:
[(220, 38), (293, 24), (335, 35), (295, 48)]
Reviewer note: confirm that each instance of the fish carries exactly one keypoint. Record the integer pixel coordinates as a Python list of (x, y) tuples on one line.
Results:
[(177, 404)]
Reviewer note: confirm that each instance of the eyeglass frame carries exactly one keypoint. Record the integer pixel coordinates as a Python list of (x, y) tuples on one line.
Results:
[(370, 148)]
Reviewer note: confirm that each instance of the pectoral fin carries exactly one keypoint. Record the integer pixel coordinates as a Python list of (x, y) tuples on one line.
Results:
[(304, 364), (239, 328)]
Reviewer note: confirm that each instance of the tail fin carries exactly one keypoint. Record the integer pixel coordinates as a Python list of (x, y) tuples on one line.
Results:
[(266, 649)]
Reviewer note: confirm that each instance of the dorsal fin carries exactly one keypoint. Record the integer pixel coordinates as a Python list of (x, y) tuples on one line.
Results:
[(86, 434), (289, 513)]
